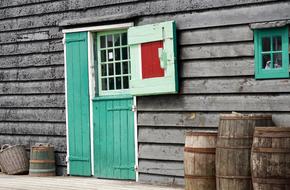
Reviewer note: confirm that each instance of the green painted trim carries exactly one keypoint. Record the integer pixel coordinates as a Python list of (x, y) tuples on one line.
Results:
[(119, 97), (283, 72)]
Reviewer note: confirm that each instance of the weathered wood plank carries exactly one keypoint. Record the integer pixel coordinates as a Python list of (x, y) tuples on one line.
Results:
[(170, 168), (161, 152), (217, 51), (150, 7), (35, 115), (178, 119), (215, 103), (48, 129), (162, 135), (217, 67), (225, 17), (162, 180), (216, 35), (234, 85), (57, 101), (42, 87), (9, 3), (28, 48), (144, 8), (25, 74), (32, 60), (195, 119), (59, 143), (31, 35)]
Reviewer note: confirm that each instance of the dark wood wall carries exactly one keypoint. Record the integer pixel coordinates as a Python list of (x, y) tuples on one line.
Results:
[(216, 73)]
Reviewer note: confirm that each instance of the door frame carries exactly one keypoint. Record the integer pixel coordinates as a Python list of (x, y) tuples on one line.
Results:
[(91, 69)]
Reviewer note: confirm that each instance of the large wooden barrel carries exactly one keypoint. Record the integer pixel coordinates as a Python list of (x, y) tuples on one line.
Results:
[(233, 152), (42, 161), (270, 161), (199, 160)]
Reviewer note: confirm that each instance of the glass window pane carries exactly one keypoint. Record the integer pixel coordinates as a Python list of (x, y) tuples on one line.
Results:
[(125, 68), (118, 68), (103, 56), (124, 38), (104, 70), (266, 44), (277, 59), (117, 40), (110, 55), (104, 84), (103, 41), (124, 53), (117, 54), (277, 43), (111, 69), (111, 84), (109, 41), (266, 61), (118, 83), (125, 82)]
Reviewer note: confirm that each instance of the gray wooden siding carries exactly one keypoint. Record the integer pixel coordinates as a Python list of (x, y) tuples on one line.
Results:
[(216, 73)]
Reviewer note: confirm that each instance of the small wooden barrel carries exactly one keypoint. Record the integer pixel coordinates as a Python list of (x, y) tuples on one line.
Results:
[(270, 161), (199, 160), (42, 161), (233, 152)]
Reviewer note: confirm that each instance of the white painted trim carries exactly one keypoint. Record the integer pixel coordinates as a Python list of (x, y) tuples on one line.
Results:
[(99, 28), (92, 94), (136, 138), (66, 108)]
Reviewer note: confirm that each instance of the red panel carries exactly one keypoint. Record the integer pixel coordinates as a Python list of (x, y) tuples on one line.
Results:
[(150, 60)]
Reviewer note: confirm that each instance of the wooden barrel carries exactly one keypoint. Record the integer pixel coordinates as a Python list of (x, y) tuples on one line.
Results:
[(42, 161), (233, 152), (270, 162), (199, 160)]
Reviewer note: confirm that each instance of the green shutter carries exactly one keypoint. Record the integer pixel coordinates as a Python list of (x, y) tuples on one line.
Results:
[(78, 103), (168, 83)]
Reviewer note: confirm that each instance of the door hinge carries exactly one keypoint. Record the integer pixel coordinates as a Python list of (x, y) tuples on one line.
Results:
[(63, 40), (134, 108)]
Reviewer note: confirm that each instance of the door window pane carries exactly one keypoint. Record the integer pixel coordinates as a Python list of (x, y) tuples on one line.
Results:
[(109, 41), (103, 41), (104, 84), (117, 54), (124, 38), (111, 69), (125, 68), (118, 68), (111, 84), (110, 55), (124, 53), (104, 70), (117, 40), (103, 56), (118, 83), (126, 82)]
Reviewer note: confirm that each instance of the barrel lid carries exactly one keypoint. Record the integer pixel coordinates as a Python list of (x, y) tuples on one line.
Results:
[(201, 133), (240, 116)]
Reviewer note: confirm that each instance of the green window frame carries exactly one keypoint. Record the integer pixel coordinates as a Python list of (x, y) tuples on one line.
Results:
[(113, 62), (271, 53)]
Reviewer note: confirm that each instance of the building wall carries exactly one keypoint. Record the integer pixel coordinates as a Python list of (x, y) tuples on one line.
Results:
[(216, 68)]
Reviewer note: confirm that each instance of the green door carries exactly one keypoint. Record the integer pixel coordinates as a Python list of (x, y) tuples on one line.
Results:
[(78, 104), (113, 118)]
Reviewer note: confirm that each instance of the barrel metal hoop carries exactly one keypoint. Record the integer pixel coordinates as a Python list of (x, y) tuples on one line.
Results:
[(199, 177), (237, 147), (234, 177), (42, 161), (239, 137), (200, 150), (270, 180), (271, 150)]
